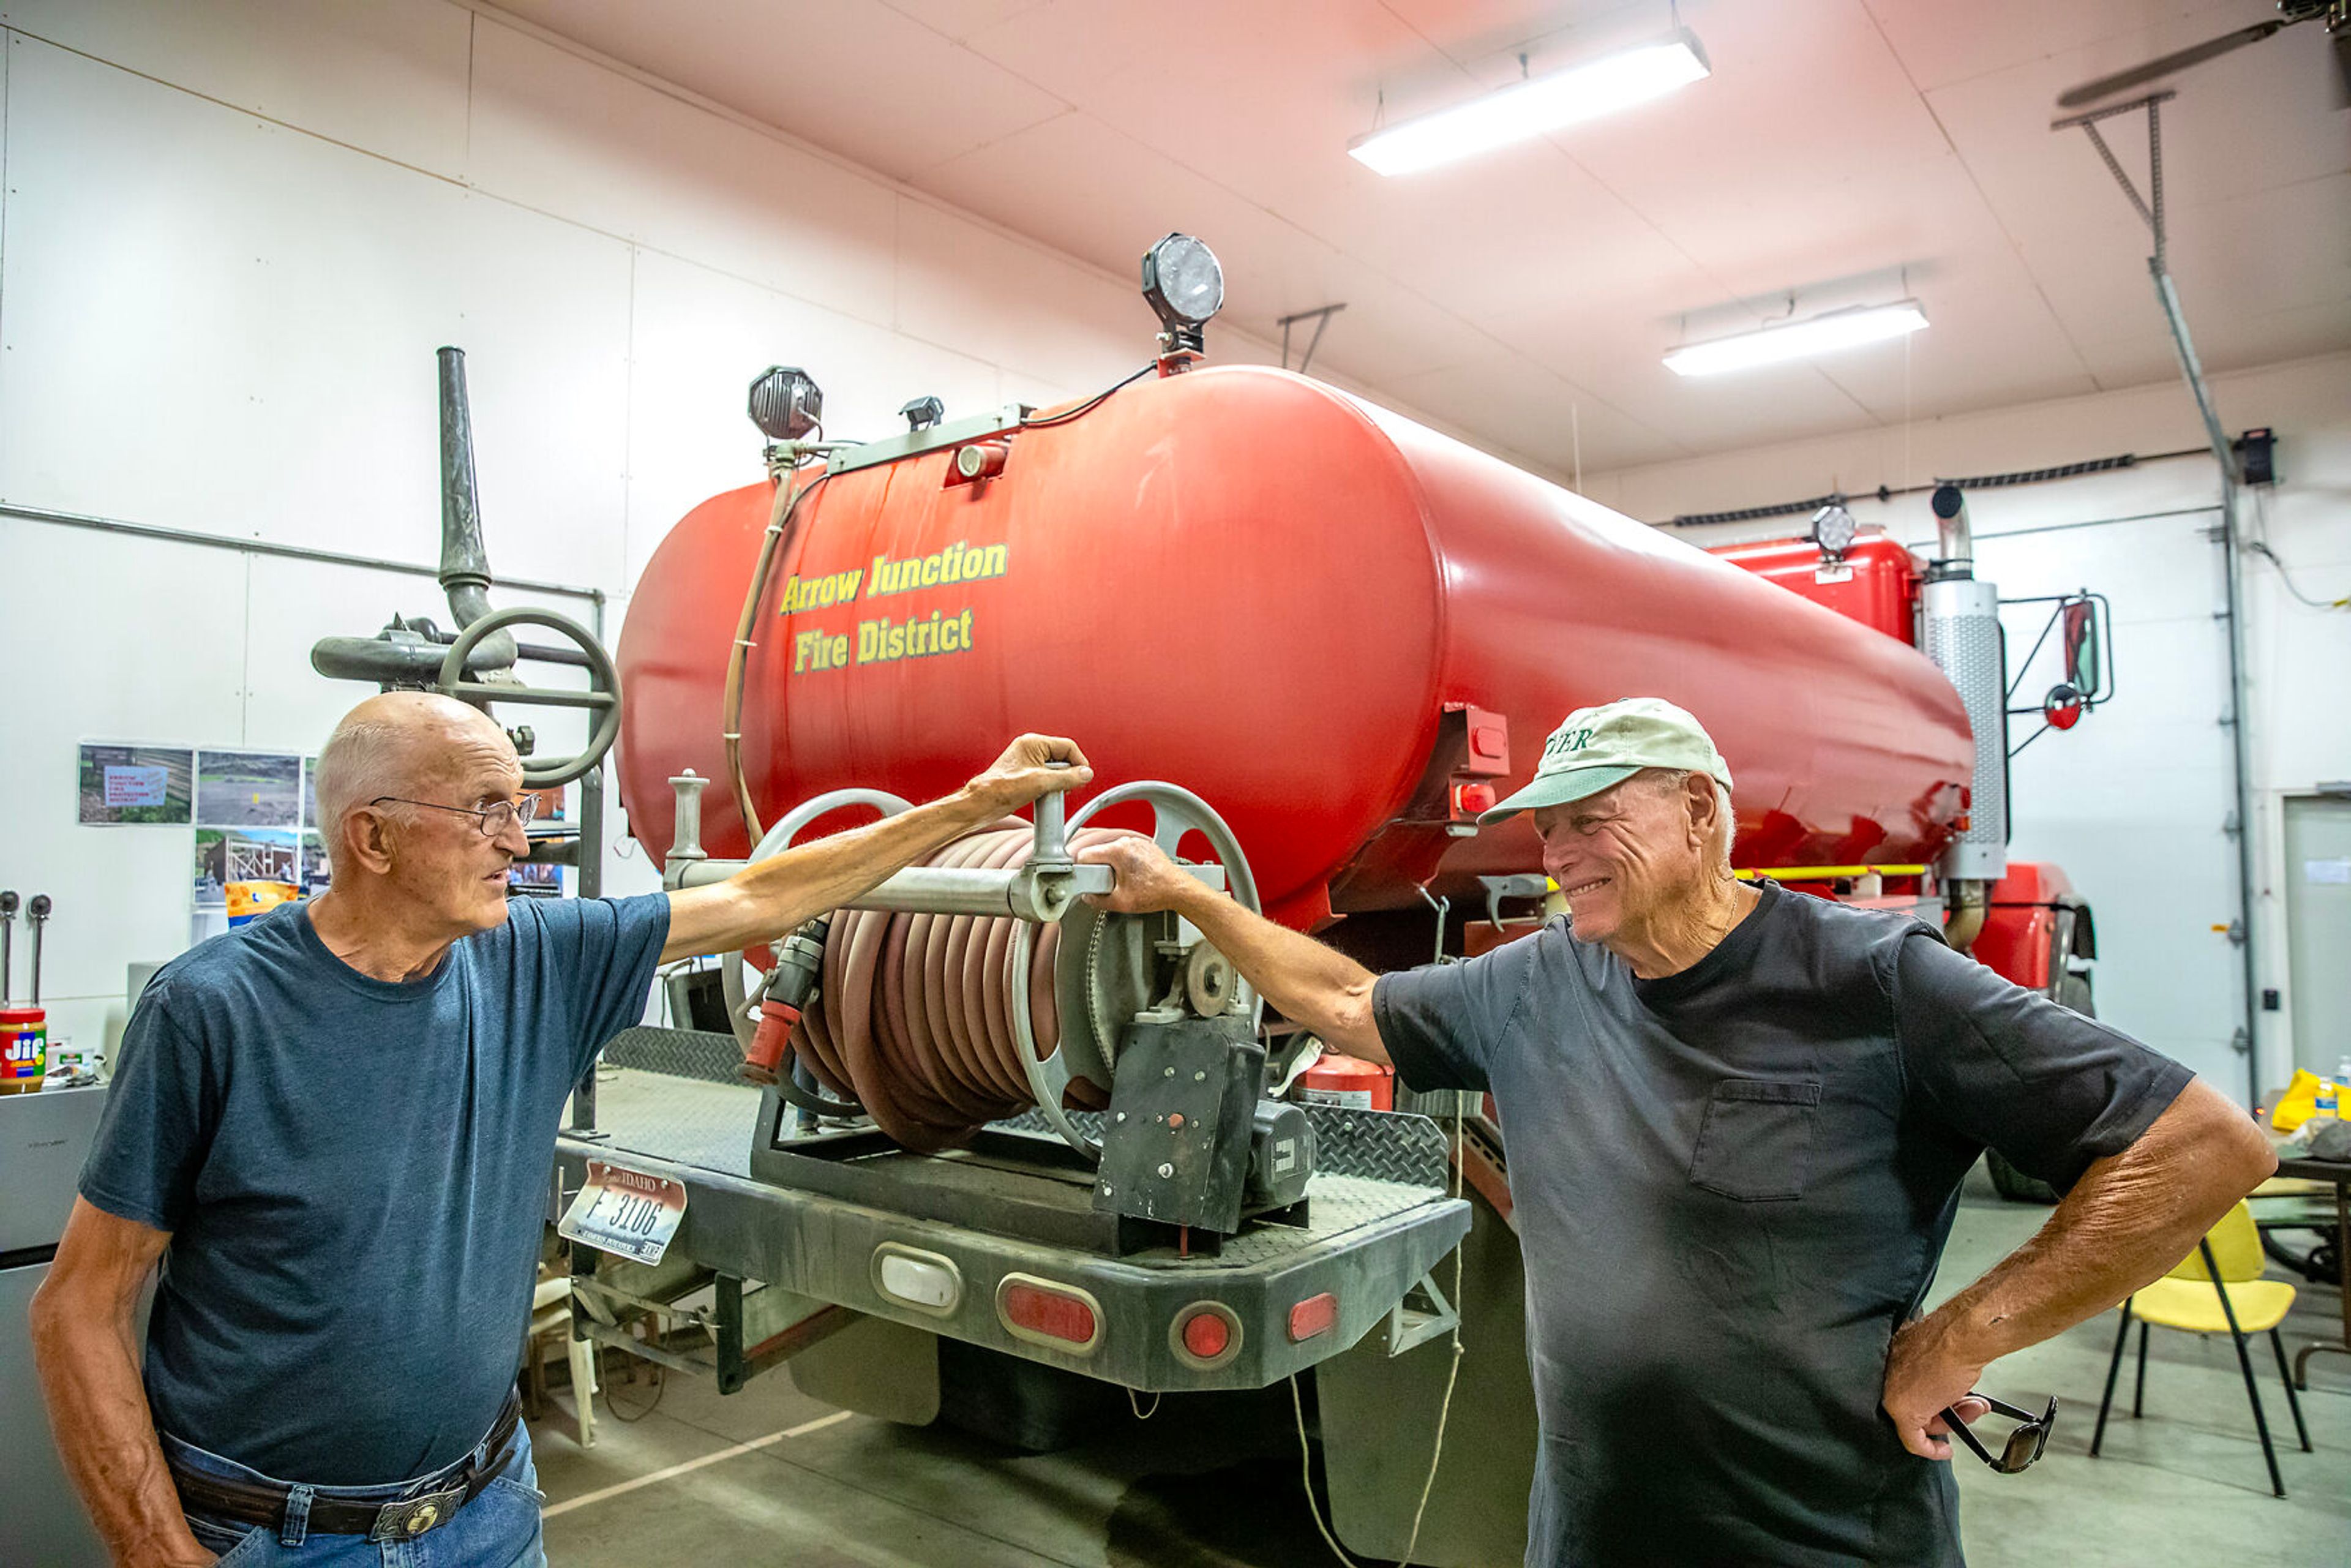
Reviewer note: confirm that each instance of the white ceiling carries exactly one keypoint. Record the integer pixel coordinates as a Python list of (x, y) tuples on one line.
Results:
[(1842, 152)]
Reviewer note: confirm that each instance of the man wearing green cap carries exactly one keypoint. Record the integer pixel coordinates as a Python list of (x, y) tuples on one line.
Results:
[(1737, 1122)]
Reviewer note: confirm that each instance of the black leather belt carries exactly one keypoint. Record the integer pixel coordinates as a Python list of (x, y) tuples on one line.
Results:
[(261, 1502)]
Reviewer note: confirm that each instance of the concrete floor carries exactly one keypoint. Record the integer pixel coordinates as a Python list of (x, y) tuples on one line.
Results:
[(1215, 1484)]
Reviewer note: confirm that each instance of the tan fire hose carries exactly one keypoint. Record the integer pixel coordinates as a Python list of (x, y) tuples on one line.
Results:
[(788, 496), (914, 1018)]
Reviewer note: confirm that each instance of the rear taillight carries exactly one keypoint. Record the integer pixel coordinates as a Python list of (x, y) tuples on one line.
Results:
[(1043, 1312), (1206, 1335), (1314, 1316)]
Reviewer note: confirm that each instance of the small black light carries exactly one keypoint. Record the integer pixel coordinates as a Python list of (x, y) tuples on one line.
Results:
[(1183, 283), (786, 403), (923, 412)]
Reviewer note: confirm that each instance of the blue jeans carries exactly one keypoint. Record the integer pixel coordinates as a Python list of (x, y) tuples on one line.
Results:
[(498, 1529)]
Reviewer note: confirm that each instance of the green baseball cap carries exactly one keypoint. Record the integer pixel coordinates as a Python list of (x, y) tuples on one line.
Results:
[(1599, 747)]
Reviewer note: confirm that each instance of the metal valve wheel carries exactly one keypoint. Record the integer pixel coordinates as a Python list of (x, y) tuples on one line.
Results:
[(1102, 975), (602, 697)]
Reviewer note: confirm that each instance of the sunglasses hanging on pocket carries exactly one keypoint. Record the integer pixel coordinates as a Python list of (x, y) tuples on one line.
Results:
[(2024, 1444)]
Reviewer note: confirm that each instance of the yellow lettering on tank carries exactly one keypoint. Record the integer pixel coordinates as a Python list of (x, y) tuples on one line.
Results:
[(960, 562), (820, 650), (819, 592), (886, 641)]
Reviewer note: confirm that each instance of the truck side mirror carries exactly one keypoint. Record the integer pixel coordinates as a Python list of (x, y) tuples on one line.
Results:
[(2081, 651)]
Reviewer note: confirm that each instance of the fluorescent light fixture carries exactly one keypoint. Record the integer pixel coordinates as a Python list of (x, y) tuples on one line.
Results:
[(1526, 108), (1821, 335)]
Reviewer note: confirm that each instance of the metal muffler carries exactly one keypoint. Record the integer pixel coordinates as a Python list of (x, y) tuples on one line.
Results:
[(1961, 633)]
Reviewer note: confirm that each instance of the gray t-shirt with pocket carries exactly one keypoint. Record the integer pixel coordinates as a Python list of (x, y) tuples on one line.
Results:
[(1731, 1186)]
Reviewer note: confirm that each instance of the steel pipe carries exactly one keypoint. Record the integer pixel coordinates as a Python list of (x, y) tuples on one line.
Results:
[(1029, 893)]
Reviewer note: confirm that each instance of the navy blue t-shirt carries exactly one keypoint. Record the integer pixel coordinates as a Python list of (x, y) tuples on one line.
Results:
[(1732, 1185), (355, 1174)]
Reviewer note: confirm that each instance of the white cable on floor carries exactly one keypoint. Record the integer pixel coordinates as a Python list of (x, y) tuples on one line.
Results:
[(1453, 1373), (1306, 1477), (671, 1471), (1444, 1410)]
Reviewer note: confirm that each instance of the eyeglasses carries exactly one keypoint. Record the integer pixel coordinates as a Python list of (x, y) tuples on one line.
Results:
[(2024, 1444), (494, 817)]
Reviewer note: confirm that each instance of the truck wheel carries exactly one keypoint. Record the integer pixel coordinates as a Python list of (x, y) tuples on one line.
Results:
[(2072, 990)]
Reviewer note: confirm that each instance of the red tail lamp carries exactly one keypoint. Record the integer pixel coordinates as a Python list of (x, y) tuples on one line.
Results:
[(1044, 1313), (1206, 1335), (1314, 1316)]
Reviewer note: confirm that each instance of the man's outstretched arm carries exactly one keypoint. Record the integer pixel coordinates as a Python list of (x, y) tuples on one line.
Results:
[(771, 897), (84, 1317), (1313, 985), (2131, 1217)]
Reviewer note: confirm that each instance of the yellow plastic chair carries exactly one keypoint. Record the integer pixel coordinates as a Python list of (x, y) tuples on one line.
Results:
[(2217, 1289)]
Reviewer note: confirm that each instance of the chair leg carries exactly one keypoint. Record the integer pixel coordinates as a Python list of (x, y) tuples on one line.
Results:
[(2138, 1391), (2292, 1403), (2261, 1421), (2114, 1369)]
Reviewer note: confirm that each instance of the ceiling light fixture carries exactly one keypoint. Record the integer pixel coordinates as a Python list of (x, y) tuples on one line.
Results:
[(1526, 108), (1795, 339)]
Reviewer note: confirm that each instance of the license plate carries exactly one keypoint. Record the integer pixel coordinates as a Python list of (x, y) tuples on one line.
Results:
[(625, 1212)]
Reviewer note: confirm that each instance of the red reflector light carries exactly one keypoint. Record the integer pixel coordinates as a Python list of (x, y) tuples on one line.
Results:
[(1314, 1316), (1206, 1335), (1469, 799), (1036, 1310)]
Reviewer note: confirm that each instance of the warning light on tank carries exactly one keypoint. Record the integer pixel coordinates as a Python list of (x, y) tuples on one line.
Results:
[(786, 403), (1183, 282)]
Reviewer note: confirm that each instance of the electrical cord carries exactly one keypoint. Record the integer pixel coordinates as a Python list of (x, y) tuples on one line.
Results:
[(1306, 1478), (1452, 1373), (1092, 403), (2286, 577), (655, 1373), (1444, 1409), (2259, 544)]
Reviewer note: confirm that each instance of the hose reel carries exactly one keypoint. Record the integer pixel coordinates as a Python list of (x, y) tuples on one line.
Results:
[(919, 1022)]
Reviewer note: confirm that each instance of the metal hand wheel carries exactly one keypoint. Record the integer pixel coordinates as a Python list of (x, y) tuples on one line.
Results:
[(603, 697), (1089, 1034)]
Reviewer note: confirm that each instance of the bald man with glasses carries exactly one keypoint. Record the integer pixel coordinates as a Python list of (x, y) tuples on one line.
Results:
[(333, 1128)]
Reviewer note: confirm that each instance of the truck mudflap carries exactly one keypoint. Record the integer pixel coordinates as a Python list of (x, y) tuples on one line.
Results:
[(1275, 1300)]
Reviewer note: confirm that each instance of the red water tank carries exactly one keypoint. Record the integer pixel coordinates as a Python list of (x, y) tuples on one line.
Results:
[(1332, 623)]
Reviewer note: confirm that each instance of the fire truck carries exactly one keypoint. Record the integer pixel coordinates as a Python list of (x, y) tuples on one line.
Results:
[(970, 1138)]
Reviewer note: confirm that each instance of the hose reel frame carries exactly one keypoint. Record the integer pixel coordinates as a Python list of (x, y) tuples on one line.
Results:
[(1176, 812)]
